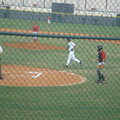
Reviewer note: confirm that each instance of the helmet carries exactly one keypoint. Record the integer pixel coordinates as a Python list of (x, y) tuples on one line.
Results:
[(68, 39), (99, 47)]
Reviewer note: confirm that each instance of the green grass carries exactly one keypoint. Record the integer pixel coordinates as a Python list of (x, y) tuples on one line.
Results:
[(78, 102), (62, 27)]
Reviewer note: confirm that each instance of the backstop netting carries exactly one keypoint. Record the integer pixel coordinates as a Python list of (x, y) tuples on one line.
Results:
[(59, 60)]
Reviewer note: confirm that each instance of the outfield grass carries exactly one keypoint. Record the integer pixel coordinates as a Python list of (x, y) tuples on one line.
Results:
[(79, 102), (62, 27)]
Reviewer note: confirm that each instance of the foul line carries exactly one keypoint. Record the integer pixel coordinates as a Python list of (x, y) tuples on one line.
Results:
[(37, 74)]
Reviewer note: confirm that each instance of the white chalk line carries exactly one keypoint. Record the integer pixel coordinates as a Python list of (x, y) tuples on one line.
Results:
[(37, 74)]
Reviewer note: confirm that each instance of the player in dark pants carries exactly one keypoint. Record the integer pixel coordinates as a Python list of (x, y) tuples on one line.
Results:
[(101, 64)]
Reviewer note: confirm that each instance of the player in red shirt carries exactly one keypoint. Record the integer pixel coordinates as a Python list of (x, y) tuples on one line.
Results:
[(101, 64), (35, 30), (49, 19)]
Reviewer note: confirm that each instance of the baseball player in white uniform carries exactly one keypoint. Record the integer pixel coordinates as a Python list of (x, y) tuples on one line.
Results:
[(71, 55), (1, 49)]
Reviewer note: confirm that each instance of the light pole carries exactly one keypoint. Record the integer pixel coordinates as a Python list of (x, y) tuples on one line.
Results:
[(44, 3), (2, 2), (65, 1), (85, 4), (106, 4), (23, 2)]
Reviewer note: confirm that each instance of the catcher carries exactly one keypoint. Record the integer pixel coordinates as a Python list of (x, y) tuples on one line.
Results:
[(101, 64)]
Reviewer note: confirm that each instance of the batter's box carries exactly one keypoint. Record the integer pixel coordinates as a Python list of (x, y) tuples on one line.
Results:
[(25, 74), (16, 75), (37, 74)]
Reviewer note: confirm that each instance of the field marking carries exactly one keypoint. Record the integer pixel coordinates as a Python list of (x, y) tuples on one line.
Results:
[(37, 74)]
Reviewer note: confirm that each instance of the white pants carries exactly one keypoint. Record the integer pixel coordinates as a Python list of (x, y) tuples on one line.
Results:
[(35, 37), (101, 63), (1, 49), (71, 56), (49, 21)]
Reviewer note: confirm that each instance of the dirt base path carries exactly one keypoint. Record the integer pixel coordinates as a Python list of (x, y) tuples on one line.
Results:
[(14, 75), (40, 32), (34, 46), (58, 33)]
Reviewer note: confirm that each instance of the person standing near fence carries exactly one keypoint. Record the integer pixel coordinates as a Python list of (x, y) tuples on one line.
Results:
[(71, 55), (35, 30), (1, 50), (101, 64), (49, 19)]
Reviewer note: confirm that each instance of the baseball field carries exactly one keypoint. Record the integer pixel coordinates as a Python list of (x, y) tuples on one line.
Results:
[(36, 86)]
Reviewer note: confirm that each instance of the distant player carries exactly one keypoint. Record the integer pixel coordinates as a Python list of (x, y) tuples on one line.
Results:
[(71, 55), (35, 30), (1, 49), (101, 64), (49, 19)]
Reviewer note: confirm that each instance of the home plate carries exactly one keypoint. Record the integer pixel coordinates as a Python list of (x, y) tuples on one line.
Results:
[(37, 74), (28, 76)]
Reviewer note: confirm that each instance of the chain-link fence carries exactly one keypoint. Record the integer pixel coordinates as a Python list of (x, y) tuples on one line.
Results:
[(100, 5), (59, 65)]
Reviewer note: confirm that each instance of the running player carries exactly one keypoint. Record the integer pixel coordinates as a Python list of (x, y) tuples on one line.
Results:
[(71, 55)]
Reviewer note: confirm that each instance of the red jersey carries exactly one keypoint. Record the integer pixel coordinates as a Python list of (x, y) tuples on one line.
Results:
[(101, 56), (49, 18), (35, 28)]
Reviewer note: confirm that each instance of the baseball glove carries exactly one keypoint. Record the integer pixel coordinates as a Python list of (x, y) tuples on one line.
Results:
[(101, 66)]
